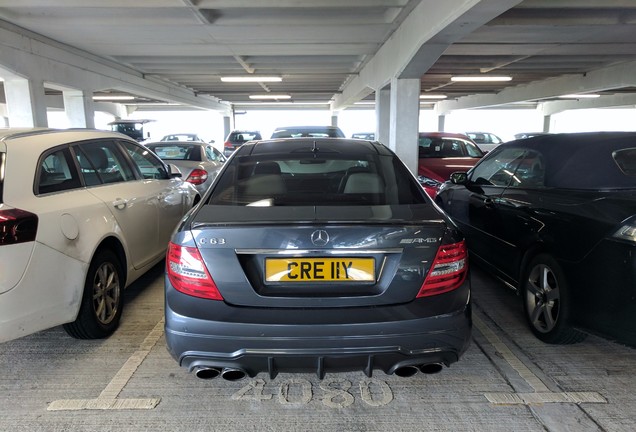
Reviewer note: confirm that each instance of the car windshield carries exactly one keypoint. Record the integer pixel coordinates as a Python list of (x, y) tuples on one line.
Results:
[(177, 152), (333, 179), (441, 147)]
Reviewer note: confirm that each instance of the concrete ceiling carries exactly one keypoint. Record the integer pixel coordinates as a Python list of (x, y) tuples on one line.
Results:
[(337, 52)]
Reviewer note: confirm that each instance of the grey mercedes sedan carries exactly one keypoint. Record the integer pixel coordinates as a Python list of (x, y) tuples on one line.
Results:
[(316, 254)]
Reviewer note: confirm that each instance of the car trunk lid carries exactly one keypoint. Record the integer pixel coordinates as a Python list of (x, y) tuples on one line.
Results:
[(318, 256)]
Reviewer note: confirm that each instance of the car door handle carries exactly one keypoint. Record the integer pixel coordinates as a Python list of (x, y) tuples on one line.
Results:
[(120, 203)]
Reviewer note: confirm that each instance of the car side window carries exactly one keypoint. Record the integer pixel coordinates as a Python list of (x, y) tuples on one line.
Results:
[(101, 162), (498, 170), (148, 165), (530, 173), (471, 149), (56, 172), (213, 154)]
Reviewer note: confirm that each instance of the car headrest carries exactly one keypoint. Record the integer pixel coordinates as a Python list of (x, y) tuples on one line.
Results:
[(364, 183)]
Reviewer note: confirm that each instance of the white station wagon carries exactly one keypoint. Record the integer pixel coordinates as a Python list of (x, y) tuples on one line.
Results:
[(83, 214)]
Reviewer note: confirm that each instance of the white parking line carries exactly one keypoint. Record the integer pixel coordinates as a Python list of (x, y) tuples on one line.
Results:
[(107, 399), (542, 393)]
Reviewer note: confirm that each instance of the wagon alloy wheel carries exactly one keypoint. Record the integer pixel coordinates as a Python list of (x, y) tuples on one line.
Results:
[(542, 297), (106, 290), (547, 302), (102, 301)]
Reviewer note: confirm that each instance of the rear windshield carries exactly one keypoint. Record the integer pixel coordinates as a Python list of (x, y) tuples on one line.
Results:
[(242, 137), (177, 152), (285, 180)]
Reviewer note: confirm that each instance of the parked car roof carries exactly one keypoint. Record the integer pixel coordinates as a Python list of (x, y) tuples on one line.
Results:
[(576, 161), (308, 131)]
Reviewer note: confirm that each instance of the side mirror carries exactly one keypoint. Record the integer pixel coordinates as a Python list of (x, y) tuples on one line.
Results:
[(212, 141), (174, 171), (458, 177)]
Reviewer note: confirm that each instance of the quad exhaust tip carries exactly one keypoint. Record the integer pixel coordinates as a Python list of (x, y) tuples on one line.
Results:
[(207, 372), (233, 374), (408, 371), (229, 374), (431, 368)]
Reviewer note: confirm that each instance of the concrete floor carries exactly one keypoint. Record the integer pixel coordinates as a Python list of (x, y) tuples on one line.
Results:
[(507, 381)]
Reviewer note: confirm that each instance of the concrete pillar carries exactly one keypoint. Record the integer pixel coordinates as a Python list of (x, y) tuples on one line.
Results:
[(79, 107), (441, 123), (334, 119), (227, 126), (405, 112), (547, 122), (4, 117), (26, 102), (383, 115)]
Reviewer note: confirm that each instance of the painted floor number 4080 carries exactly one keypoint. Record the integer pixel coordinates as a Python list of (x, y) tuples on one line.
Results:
[(335, 393)]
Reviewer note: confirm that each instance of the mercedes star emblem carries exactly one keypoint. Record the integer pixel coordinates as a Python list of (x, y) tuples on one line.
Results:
[(319, 237)]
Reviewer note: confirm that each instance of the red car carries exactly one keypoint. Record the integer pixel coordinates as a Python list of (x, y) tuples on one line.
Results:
[(442, 153)]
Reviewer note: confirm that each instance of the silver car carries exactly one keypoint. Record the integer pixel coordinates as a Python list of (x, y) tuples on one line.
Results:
[(316, 254), (83, 214), (198, 162)]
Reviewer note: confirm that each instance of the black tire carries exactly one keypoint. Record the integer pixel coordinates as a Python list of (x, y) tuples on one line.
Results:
[(102, 301), (547, 303)]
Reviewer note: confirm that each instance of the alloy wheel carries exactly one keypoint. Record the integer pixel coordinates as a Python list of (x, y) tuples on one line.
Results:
[(543, 298), (106, 292)]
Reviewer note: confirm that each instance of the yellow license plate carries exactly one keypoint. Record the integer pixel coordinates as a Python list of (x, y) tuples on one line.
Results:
[(319, 269)]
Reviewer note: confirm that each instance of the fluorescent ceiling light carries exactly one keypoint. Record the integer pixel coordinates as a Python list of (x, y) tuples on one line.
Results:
[(580, 96), (277, 104), (481, 78), (270, 96), (432, 96), (251, 78), (113, 97)]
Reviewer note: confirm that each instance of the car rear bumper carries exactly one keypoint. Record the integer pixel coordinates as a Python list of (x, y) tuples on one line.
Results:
[(273, 340), (48, 294)]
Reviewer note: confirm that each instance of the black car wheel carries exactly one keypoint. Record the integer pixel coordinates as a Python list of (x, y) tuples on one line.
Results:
[(102, 302), (547, 303)]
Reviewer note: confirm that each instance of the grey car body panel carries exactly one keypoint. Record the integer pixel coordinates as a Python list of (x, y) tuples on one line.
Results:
[(237, 253)]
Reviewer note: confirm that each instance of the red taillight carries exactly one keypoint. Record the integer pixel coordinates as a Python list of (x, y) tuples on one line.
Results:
[(448, 270), (187, 273), (197, 176), (17, 226), (227, 145)]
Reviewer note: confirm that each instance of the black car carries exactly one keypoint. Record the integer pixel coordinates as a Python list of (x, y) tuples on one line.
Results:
[(237, 138), (316, 254), (554, 217)]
